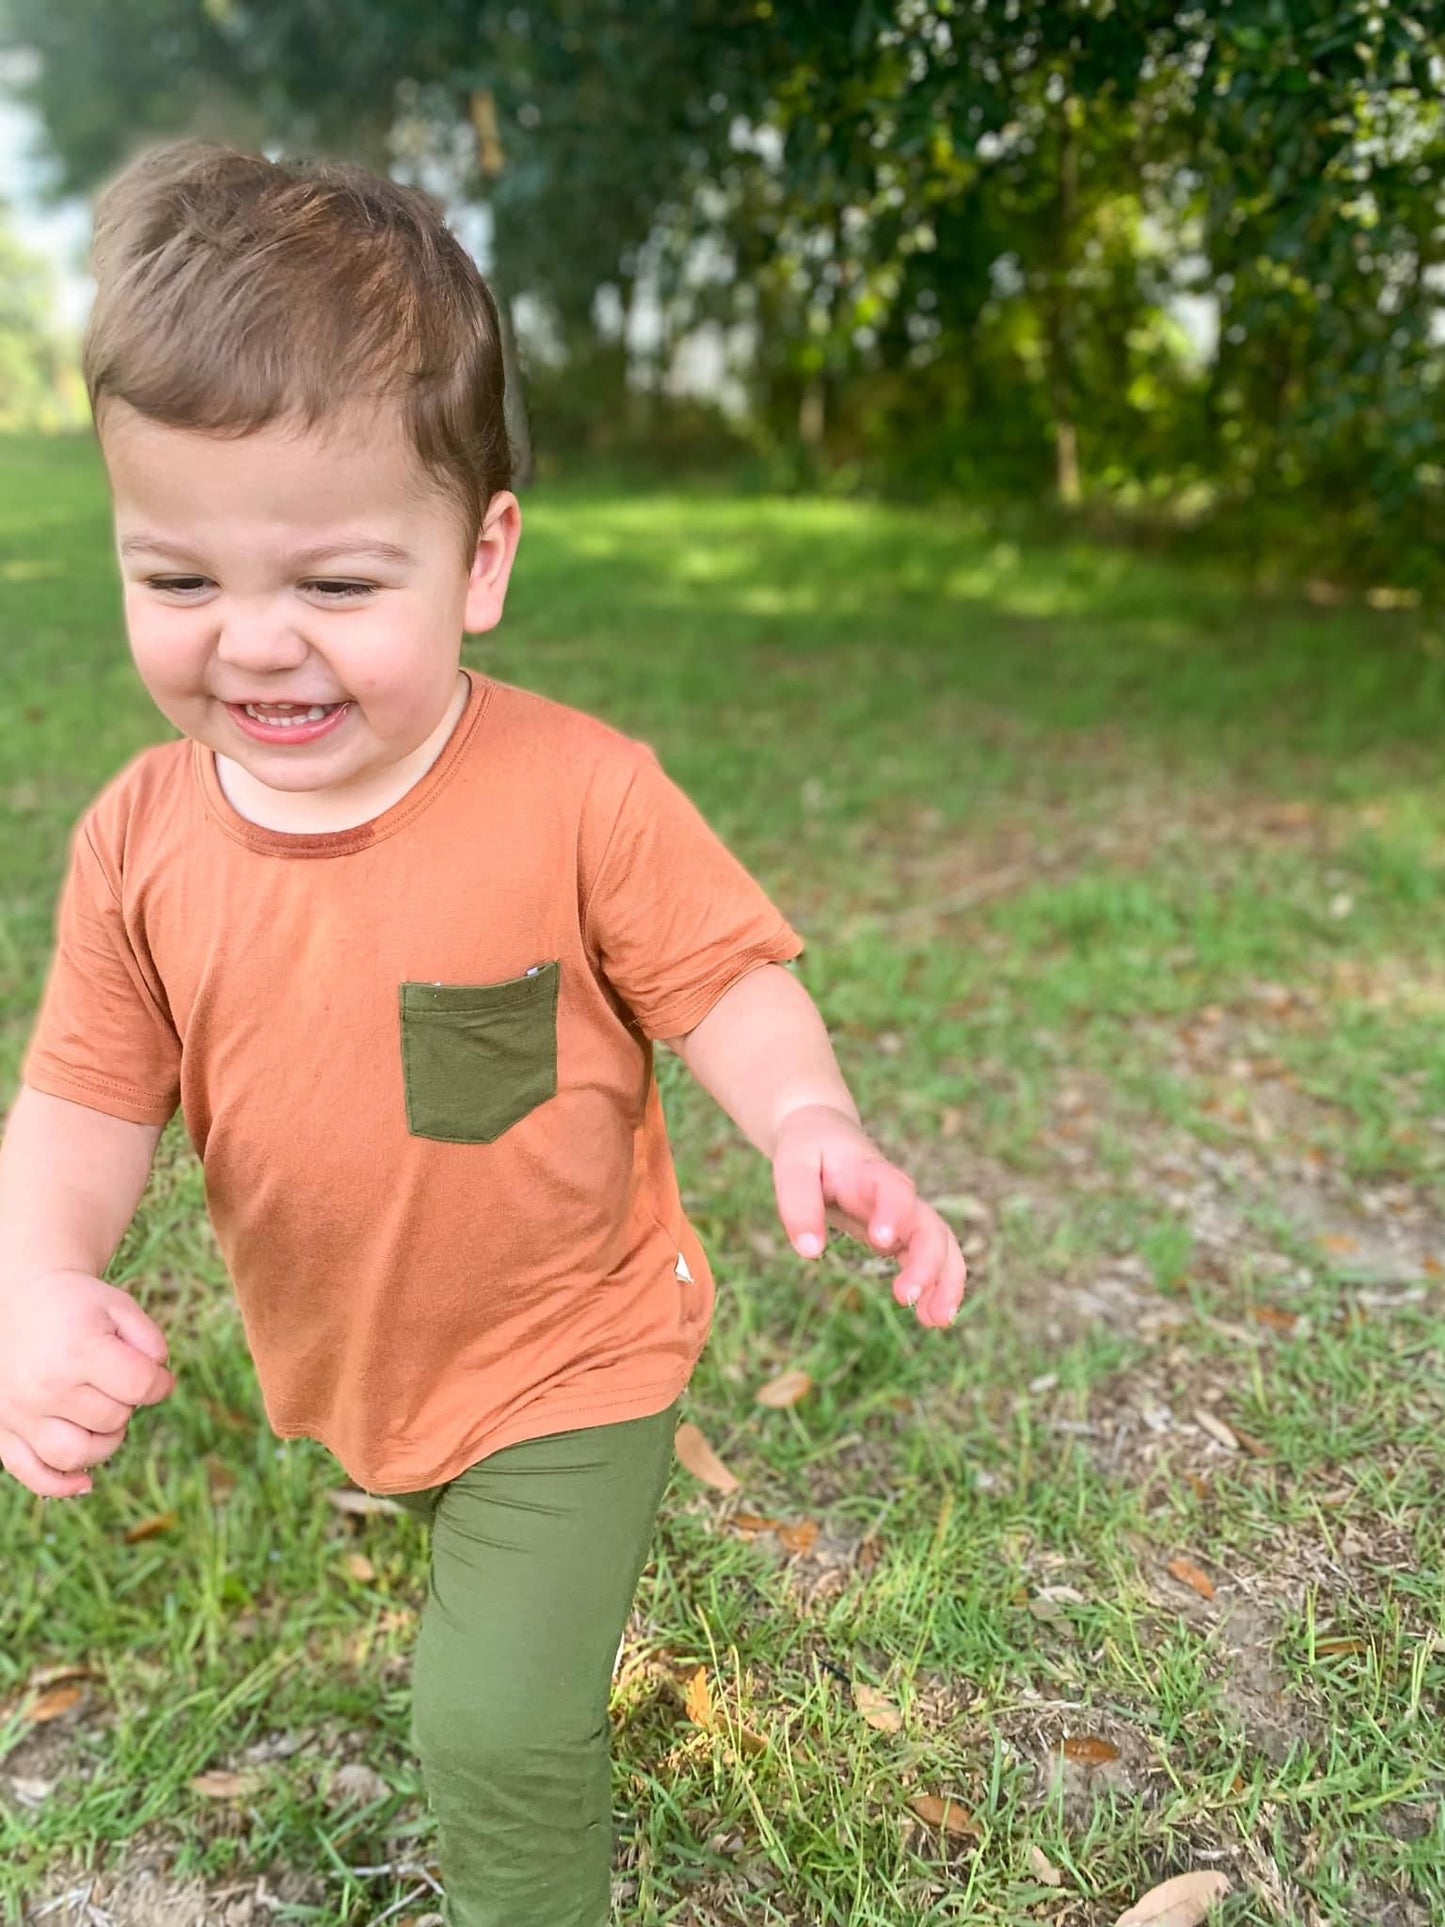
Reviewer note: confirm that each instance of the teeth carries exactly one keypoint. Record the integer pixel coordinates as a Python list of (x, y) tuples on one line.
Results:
[(312, 715)]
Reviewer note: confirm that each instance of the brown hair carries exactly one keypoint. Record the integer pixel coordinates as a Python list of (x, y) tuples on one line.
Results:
[(233, 291)]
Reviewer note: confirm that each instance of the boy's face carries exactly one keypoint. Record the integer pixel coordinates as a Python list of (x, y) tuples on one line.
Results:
[(302, 568)]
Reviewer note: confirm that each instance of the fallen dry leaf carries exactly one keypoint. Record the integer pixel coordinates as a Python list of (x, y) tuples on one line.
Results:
[(220, 1481), (1088, 1751), (877, 1709), (1044, 1868), (1181, 1902), (226, 1786), (1333, 1648), (1274, 1317), (37, 1682), (747, 1739), (784, 1390), (801, 1537), (1047, 1612), (1256, 1448), (701, 1709), (31, 1792), (951, 1815), (359, 1567), (359, 1504), (962, 1204), (151, 1528), (356, 1784), (1188, 1574), (52, 1675), (750, 1524), (699, 1458), (1340, 1243), (55, 1703), (697, 1699), (224, 1416), (1217, 1430)]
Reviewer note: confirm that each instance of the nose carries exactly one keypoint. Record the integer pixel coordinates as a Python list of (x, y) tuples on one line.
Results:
[(259, 641)]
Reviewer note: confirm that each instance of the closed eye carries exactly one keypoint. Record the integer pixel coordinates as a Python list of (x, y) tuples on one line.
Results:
[(328, 589), (334, 591), (176, 584)]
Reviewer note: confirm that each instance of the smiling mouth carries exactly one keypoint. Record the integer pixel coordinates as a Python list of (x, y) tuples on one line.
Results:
[(298, 723), (287, 713)]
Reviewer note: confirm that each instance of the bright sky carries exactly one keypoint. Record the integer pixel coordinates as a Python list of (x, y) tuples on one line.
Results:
[(60, 234)]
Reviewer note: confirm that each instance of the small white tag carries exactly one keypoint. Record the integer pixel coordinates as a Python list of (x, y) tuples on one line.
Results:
[(682, 1270)]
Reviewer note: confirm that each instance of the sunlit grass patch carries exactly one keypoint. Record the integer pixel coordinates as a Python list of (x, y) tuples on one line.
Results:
[(1124, 906)]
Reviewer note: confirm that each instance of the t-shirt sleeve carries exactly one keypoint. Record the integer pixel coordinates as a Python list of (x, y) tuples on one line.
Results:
[(103, 1036), (672, 916)]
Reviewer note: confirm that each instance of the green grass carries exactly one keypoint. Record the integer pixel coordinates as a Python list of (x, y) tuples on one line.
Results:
[(1125, 901)]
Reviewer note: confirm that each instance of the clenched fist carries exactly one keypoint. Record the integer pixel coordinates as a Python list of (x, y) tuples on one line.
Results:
[(77, 1358)]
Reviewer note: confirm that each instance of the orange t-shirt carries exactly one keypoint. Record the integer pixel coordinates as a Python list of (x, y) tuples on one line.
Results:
[(415, 1059)]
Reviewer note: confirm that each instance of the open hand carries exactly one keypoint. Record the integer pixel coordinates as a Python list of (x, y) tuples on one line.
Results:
[(827, 1171)]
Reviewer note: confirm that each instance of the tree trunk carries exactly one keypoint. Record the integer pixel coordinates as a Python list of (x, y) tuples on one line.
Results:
[(813, 416), (639, 403), (519, 422), (1059, 320)]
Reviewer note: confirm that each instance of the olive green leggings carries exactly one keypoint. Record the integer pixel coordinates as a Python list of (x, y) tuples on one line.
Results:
[(535, 1556)]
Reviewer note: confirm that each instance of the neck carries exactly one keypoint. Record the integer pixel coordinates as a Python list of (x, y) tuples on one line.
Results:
[(320, 812)]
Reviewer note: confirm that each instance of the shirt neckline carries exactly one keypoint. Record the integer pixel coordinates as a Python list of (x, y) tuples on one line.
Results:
[(360, 836)]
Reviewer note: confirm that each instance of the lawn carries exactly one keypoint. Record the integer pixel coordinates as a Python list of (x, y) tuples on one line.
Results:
[(1125, 900)]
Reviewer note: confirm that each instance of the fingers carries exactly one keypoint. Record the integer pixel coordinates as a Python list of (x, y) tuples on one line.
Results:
[(162, 1384), (41, 1479), (880, 1196), (798, 1187), (94, 1410), (64, 1447), (923, 1259), (891, 1219), (117, 1370), (873, 1200), (940, 1306), (136, 1327), (934, 1274)]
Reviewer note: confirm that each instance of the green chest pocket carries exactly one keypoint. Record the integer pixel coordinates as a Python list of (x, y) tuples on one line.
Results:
[(477, 1058)]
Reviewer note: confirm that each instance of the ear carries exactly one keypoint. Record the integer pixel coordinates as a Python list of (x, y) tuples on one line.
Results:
[(492, 564)]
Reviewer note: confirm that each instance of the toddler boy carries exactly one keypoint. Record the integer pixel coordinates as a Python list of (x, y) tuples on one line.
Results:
[(398, 939)]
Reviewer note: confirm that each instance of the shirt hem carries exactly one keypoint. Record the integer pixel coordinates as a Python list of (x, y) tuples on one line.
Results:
[(540, 1423), (100, 1094), (675, 1020)]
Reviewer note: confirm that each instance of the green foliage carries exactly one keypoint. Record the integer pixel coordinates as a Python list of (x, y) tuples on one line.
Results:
[(36, 377), (953, 245)]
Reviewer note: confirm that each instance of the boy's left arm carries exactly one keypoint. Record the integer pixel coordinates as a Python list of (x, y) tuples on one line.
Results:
[(763, 1053)]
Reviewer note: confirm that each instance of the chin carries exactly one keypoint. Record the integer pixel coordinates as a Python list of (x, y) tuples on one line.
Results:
[(291, 782)]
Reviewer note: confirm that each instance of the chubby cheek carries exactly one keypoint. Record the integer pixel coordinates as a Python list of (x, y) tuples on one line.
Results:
[(401, 684), (170, 657)]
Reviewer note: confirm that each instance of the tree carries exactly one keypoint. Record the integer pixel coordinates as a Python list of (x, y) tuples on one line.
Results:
[(32, 363), (955, 232)]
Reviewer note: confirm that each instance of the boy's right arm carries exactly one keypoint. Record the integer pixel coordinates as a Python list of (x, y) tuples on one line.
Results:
[(77, 1356)]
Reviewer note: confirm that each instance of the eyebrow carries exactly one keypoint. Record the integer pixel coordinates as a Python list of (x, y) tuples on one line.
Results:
[(307, 558)]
